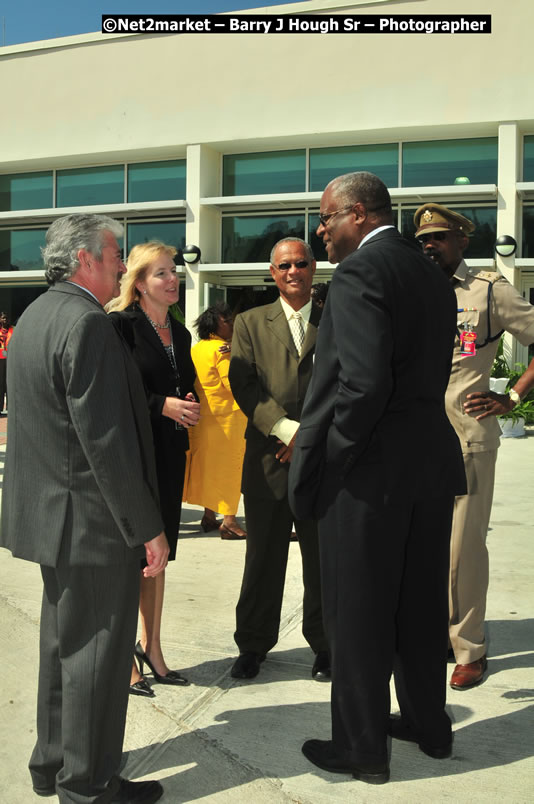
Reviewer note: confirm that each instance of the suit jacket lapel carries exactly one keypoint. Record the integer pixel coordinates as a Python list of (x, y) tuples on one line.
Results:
[(150, 336), (311, 332), (277, 323)]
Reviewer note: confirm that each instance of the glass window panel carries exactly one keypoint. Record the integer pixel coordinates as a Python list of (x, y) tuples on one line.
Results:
[(15, 300), (528, 159), (156, 181), (172, 233), (327, 163), (530, 297), (481, 242), (20, 250), (528, 232), (87, 186), (442, 162), (26, 191), (250, 239), (273, 172), (315, 242)]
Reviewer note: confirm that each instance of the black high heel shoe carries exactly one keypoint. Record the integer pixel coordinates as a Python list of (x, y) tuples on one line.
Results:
[(142, 687), (172, 677)]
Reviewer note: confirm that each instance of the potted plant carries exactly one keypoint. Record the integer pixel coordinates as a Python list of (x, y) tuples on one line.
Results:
[(512, 423), (500, 372)]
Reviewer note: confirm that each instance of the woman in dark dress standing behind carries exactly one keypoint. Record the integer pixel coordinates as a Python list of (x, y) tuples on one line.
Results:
[(162, 349)]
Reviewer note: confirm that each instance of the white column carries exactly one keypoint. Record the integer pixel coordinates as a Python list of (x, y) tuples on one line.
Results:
[(202, 223), (508, 210)]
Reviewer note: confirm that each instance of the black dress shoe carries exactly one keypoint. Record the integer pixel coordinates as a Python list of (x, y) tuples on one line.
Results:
[(247, 665), (45, 791), (137, 792), (321, 670), (322, 754), (142, 687), (400, 730)]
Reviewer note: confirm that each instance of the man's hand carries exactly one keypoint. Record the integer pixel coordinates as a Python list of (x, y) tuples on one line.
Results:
[(225, 348), (285, 454), (157, 555), (487, 403)]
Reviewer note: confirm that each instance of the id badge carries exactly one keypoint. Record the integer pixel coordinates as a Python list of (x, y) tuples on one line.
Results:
[(468, 341)]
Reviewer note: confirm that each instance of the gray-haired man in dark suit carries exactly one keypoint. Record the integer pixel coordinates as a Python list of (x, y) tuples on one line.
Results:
[(80, 499)]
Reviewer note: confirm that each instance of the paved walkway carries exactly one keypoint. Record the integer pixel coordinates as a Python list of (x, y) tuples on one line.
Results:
[(225, 742)]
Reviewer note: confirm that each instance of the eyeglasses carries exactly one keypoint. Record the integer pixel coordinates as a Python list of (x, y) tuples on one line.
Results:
[(324, 217), (439, 237), (285, 266)]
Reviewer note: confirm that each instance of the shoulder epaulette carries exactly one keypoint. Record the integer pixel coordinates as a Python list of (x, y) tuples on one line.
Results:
[(486, 276)]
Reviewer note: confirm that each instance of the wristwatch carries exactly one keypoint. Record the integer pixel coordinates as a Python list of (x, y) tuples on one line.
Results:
[(514, 396)]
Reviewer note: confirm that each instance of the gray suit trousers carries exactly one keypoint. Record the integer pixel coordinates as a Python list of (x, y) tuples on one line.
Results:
[(88, 623)]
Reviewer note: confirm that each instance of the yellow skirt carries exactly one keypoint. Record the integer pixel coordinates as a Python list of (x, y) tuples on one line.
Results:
[(215, 462)]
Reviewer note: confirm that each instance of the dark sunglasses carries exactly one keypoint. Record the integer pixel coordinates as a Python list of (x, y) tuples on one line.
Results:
[(285, 266), (438, 237)]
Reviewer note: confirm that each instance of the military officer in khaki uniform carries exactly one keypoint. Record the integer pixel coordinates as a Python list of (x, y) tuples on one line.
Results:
[(488, 305)]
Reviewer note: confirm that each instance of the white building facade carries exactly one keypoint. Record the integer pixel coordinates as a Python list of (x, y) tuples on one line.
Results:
[(226, 141)]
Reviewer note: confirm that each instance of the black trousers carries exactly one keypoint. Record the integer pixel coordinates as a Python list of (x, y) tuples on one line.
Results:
[(269, 526), (88, 624), (385, 602)]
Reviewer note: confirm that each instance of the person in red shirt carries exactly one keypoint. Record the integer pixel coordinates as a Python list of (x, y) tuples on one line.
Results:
[(5, 336)]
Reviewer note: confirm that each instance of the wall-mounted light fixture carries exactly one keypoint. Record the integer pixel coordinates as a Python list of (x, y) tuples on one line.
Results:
[(191, 254), (505, 245)]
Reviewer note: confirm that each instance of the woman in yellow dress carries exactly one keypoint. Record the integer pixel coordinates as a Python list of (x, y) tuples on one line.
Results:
[(217, 443)]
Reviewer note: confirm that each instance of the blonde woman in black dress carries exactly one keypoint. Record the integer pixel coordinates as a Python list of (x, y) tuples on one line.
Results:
[(161, 347)]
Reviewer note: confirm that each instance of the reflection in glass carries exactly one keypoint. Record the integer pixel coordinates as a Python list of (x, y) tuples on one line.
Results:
[(87, 186), (271, 172), (20, 250), (250, 239), (327, 163), (172, 233), (157, 181), (26, 191), (315, 242), (528, 159), (528, 232), (481, 242), (441, 162)]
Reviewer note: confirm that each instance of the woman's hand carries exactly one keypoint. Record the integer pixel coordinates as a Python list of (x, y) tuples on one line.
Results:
[(184, 411)]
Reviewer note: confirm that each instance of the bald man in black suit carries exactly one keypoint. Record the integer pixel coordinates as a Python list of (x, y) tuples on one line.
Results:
[(384, 495)]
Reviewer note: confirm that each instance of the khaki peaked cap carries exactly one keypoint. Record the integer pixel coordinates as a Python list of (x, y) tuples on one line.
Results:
[(436, 218)]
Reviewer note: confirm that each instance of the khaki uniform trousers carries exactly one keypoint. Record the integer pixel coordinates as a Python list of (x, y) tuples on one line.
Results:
[(469, 574)]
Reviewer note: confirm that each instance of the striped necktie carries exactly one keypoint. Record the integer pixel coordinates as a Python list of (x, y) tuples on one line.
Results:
[(297, 330)]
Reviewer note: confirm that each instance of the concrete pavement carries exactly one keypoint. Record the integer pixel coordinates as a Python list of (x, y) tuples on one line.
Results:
[(225, 741)]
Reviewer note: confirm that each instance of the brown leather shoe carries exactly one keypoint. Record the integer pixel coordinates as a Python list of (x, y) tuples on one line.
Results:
[(233, 535), (468, 675)]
